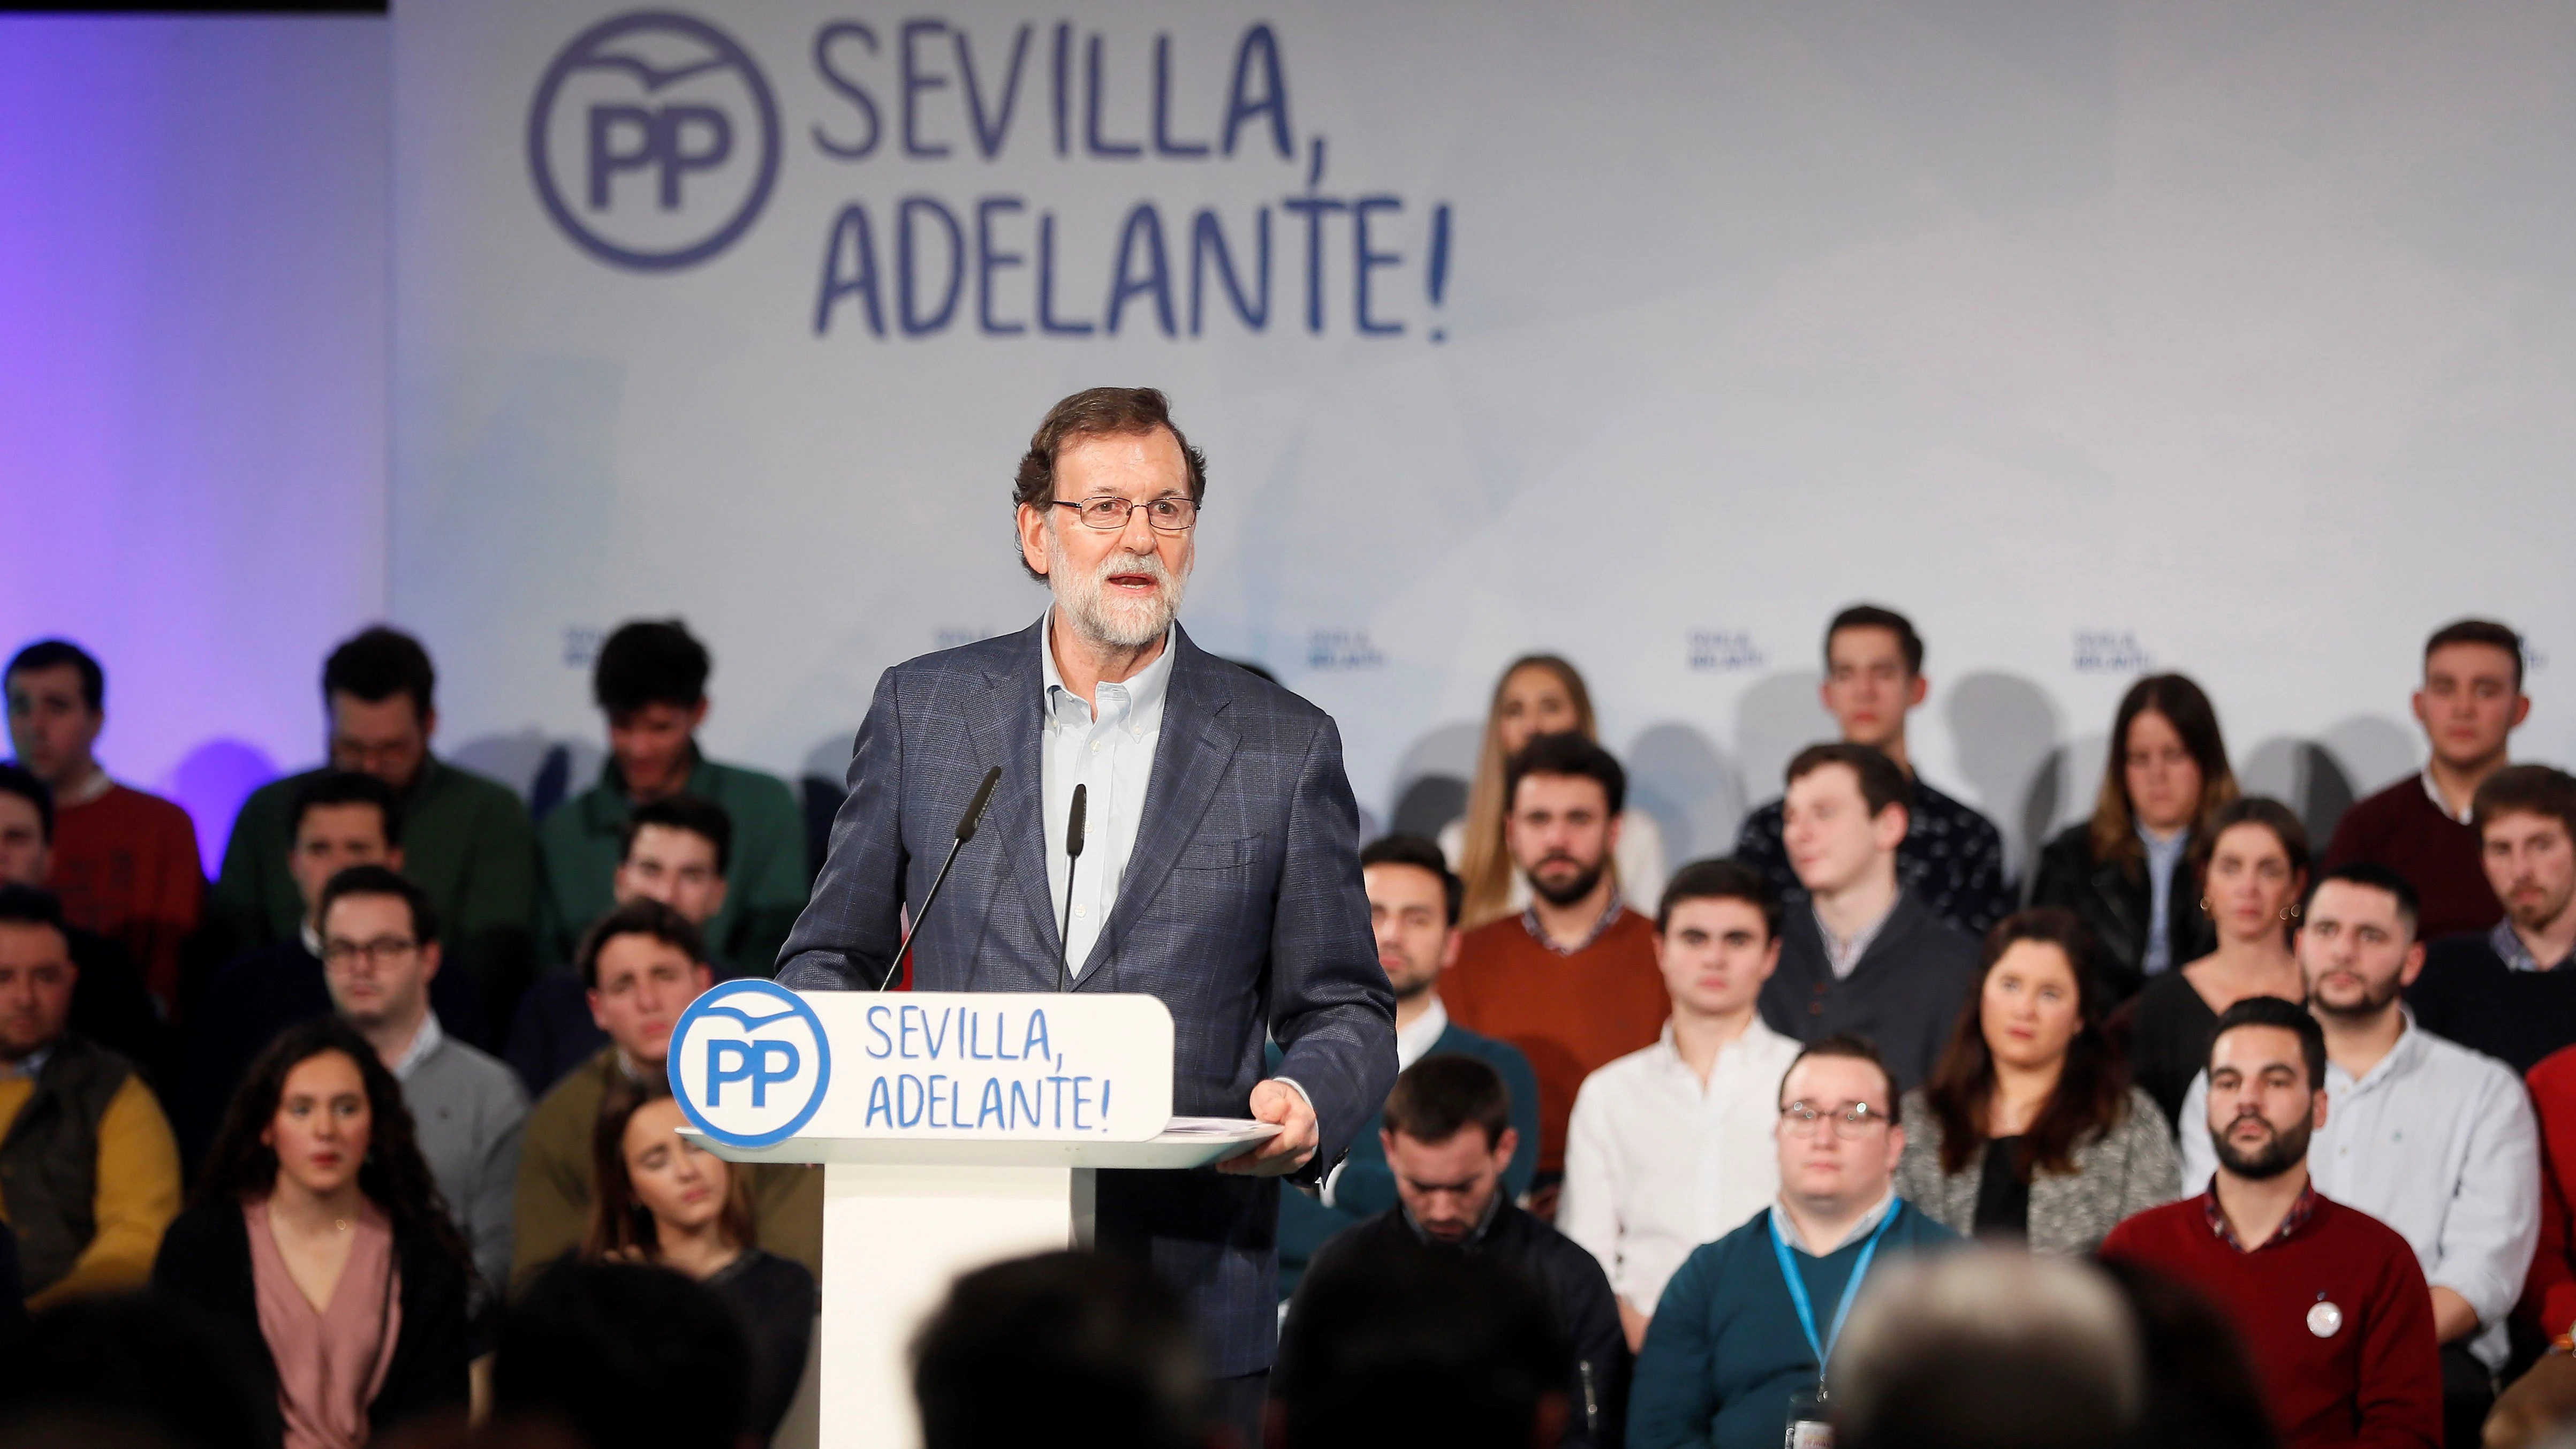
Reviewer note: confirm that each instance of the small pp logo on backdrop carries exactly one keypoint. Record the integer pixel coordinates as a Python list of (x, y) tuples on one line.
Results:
[(653, 140), (749, 1062)]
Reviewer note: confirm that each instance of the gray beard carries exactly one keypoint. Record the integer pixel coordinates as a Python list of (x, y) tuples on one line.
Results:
[(1098, 618)]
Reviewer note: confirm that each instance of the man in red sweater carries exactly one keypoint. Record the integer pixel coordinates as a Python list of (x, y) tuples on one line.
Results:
[(2330, 1300), (125, 862), (1572, 981), (2471, 702)]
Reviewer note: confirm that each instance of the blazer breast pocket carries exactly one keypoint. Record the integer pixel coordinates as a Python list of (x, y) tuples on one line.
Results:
[(1217, 854)]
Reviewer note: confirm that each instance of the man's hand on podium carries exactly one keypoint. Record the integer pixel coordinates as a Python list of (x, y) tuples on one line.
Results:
[(1276, 1101)]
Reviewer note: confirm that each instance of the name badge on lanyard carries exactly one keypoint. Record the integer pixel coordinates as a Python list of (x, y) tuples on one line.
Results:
[(1808, 1427)]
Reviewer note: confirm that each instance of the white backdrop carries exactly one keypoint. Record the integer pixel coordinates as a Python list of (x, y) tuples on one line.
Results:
[(2229, 337)]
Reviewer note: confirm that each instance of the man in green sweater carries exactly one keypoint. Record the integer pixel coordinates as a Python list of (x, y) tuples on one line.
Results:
[(466, 840), (651, 682), (643, 963), (1737, 1348)]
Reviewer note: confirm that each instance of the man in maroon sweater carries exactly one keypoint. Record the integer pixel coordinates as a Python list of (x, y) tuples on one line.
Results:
[(2330, 1301), (2419, 827)]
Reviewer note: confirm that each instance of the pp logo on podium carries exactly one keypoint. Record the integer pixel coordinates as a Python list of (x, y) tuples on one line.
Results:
[(749, 1062)]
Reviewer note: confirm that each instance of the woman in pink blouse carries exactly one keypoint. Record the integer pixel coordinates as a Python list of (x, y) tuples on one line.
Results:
[(316, 1223)]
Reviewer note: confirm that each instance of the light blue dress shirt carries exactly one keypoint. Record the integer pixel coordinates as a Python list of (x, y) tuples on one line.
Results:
[(1109, 749), (2164, 862)]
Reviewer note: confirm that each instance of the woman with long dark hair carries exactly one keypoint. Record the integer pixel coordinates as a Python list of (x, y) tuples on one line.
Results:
[(665, 1200), (2123, 871), (2252, 868), (1539, 694), (2029, 1129), (317, 1232)]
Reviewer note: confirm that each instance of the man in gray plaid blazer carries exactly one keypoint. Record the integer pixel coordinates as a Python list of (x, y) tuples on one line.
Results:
[(1220, 868)]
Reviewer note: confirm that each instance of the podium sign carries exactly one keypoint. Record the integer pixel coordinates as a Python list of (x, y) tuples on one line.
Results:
[(955, 1129), (754, 1063)]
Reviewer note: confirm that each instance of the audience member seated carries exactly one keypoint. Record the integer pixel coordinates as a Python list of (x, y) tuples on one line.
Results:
[(1082, 1339), (622, 1354), (109, 1004), (1953, 858), (1539, 694), (1447, 1138), (1413, 908), (1744, 1333), (677, 852), (663, 1199), (2253, 868), (2200, 1384), (89, 1176), (380, 956), (2123, 870), (2428, 1137), (317, 1238), (125, 863), (1861, 955), (2544, 1398), (2421, 826), (643, 963), (1670, 1146), (131, 1370), (1990, 1348), (2029, 1132), (651, 682), (1401, 1349), (466, 839), (2332, 1303), (337, 820), (1570, 981), (2510, 991)]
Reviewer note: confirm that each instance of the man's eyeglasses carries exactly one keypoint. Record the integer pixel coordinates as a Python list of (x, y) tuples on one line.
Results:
[(375, 953), (1167, 515), (1851, 1122)]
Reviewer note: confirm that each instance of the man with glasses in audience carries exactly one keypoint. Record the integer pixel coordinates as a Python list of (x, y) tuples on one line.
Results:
[(1737, 1351), (379, 955)]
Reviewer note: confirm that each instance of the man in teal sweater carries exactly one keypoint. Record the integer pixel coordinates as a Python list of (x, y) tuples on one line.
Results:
[(465, 840), (1413, 906), (651, 682), (1738, 1345)]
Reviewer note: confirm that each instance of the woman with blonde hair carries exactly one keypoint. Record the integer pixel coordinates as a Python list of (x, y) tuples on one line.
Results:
[(2124, 872), (1539, 694)]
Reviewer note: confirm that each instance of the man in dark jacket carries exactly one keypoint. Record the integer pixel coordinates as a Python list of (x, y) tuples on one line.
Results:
[(1448, 1139)]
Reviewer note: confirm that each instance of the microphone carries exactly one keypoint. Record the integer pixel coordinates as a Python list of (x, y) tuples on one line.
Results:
[(966, 824), (1072, 857)]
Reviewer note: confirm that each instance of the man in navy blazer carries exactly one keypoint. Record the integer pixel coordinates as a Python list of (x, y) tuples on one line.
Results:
[(1220, 869)]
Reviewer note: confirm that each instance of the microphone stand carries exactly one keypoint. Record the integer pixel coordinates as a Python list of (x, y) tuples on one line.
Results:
[(1072, 858), (965, 832)]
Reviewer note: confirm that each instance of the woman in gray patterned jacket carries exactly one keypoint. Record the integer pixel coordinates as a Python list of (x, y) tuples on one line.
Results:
[(2029, 1129)]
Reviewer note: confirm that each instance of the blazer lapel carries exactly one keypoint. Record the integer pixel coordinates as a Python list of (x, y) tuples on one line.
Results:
[(1196, 747), (1010, 730)]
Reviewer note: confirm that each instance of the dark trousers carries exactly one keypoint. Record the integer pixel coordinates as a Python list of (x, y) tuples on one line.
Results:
[(2468, 1393), (1238, 1404)]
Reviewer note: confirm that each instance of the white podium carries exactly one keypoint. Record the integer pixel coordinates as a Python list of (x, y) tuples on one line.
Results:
[(954, 1129)]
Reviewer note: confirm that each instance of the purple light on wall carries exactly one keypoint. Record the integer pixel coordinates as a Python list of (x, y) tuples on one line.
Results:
[(193, 373)]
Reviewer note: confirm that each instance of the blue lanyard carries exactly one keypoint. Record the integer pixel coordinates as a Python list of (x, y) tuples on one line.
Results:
[(1798, 1285)]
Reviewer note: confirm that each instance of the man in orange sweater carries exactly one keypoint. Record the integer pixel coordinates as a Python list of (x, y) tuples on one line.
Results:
[(125, 862), (1572, 980)]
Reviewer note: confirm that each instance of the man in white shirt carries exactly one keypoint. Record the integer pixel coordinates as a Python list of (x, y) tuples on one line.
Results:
[(2425, 1135), (1671, 1147), (1414, 901)]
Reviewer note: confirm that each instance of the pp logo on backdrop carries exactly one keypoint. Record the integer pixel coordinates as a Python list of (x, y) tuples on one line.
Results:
[(749, 1062), (653, 140)]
